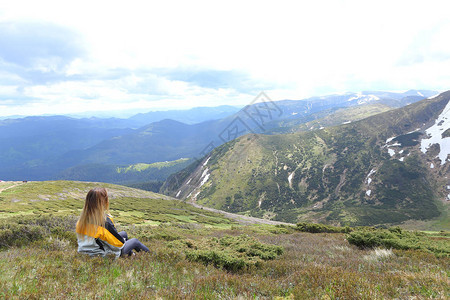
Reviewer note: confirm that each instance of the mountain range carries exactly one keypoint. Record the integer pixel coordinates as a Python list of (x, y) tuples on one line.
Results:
[(389, 168), (60, 147)]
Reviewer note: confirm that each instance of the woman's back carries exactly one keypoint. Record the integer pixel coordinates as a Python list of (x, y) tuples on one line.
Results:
[(100, 240)]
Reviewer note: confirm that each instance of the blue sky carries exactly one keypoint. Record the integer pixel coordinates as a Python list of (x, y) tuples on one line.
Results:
[(67, 57)]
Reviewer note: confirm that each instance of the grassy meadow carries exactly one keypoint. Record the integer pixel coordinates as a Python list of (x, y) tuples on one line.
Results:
[(196, 254)]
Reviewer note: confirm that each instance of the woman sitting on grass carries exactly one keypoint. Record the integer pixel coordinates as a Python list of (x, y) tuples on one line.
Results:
[(96, 232)]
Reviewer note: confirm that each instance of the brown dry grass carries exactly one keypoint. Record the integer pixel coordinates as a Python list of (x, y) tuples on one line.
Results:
[(313, 266)]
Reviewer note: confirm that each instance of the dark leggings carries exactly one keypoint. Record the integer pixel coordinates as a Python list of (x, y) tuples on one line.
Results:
[(131, 244)]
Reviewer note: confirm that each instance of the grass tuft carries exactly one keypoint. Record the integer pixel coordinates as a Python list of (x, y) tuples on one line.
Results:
[(378, 254)]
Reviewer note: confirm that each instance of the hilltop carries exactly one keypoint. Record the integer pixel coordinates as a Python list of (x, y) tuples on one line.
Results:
[(64, 198), (128, 205)]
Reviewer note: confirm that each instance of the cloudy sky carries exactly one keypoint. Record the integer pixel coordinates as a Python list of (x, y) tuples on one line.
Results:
[(61, 57)]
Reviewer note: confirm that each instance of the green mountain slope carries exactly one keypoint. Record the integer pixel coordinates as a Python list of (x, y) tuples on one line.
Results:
[(145, 176), (363, 173)]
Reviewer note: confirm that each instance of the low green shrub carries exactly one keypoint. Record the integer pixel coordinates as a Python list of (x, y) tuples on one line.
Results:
[(232, 253), (21, 232), (319, 228), (398, 238), (220, 259), (17, 235), (164, 231), (281, 229)]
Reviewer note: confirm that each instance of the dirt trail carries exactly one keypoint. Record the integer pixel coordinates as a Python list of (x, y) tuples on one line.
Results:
[(245, 220), (10, 187)]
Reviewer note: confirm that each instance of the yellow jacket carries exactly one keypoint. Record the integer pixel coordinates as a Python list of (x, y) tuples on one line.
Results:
[(106, 240)]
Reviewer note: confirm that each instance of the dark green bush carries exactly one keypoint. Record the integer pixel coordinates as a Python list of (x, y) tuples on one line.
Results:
[(220, 259), (17, 233), (233, 253), (319, 228), (398, 238), (281, 229)]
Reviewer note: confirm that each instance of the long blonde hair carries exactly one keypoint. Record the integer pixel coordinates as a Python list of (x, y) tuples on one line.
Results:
[(94, 212)]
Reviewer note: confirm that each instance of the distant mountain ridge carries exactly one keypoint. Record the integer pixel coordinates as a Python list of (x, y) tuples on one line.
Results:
[(373, 171), (192, 116), (37, 147), (42, 148), (171, 140)]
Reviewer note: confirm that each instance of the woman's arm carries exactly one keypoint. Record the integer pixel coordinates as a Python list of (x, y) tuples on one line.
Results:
[(109, 224), (110, 235)]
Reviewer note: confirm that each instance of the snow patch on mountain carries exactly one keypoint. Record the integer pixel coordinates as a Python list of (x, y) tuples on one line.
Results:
[(261, 198), (434, 134), (195, 196), (205, 177), (368, 178), (432, 97), (369, 181), (362, 99), (290, 178), (204, 164), (391, 152), (417, 129), (390, 139)]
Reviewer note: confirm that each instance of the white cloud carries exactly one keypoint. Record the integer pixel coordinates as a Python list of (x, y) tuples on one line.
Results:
[(291, 49), (101, 95)]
